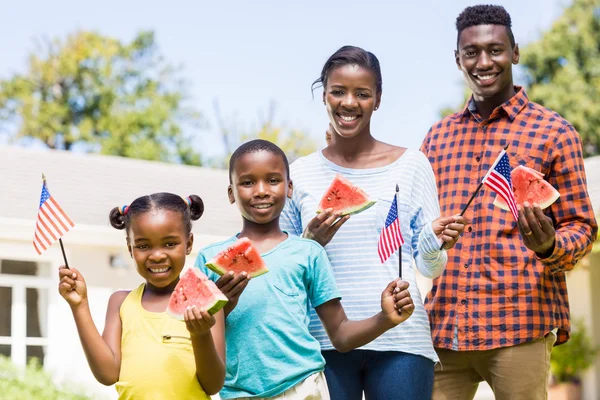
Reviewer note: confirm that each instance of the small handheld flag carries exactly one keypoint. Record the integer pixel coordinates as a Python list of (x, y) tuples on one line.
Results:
[(391, 238), (494, 179), (52, 223), (498, 179)]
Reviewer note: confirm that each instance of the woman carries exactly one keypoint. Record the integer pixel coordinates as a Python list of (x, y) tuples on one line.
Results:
[(399, 364)]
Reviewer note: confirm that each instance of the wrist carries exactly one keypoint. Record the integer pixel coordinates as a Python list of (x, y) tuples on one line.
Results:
[(79, 307), (384, 321)]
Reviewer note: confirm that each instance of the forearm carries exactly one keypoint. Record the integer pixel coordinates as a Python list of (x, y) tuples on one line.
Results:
[(430, 260), (571, 244), (210, 368), (350, 335), (100, 357)]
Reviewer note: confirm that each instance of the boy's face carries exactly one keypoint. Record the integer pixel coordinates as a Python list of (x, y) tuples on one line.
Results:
[(259, 186), (485, 56)]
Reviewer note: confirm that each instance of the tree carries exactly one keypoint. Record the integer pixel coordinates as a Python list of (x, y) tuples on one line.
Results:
[(563, 70), (295, 143), (95, 93)]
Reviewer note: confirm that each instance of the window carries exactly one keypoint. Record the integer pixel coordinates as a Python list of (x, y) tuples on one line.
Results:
[(24, 291)]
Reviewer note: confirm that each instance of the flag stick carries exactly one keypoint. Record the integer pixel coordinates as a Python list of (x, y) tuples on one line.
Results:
[(399, 248), (63, 253), (62, 248), (470, 200)]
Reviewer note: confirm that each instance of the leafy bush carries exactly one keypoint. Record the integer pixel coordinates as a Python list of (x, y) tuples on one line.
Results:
[(572, 358), (31, 382)]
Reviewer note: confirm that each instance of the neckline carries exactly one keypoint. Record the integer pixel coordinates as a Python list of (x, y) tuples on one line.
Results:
[(361, 171)]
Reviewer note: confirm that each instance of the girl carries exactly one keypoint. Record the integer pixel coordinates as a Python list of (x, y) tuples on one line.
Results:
[(271, 353), (148, 354), (400, 363)]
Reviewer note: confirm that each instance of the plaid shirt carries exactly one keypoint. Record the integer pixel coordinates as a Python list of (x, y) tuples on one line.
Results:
[(494, 291)]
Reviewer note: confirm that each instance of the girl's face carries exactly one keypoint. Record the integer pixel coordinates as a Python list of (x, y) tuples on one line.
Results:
[(159, 244), (351, 97)]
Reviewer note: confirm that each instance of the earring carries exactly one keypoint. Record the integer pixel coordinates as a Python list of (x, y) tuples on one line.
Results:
[(376, 108)]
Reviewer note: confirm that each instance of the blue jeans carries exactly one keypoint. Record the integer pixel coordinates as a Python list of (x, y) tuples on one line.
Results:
[(381, 375)]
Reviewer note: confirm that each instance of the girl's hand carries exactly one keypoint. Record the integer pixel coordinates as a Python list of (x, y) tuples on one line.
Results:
[(449, 229), (198, 322), (324, 226), (396, 303), (232, 287), (72, 286)]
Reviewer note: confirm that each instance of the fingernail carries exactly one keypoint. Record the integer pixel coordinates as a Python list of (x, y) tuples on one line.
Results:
[(526, 204), (244, 274), (230, 273)]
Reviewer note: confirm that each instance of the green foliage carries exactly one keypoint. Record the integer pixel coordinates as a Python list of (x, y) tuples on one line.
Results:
[(569, 360), (563, 70), (294, 143), (97, 93), (31, 383)]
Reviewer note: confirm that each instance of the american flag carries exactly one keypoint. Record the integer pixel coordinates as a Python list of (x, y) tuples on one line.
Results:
[(52, 222), (498, 179), (390, 239)]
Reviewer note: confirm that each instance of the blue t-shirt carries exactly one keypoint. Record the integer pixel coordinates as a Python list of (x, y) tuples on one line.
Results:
[(269, 347)]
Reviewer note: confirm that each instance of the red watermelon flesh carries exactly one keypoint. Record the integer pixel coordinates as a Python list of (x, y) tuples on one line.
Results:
[(239, 257), (529, 186), (343, 196), (194, 288)]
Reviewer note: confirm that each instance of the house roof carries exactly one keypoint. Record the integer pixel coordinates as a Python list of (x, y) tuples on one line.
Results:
[(88, 186)]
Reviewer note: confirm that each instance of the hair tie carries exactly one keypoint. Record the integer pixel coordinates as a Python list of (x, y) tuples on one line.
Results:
[(187, 200), (123, 209)]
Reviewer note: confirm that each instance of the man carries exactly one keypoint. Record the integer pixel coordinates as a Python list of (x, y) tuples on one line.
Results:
[(501, 304)]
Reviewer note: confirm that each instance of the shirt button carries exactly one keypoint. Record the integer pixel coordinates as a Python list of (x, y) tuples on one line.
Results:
[(466, 265), (477, 158), (470, 229), (463, 302)]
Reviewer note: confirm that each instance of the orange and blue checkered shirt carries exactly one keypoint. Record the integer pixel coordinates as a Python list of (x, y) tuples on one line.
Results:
[(494, 291)]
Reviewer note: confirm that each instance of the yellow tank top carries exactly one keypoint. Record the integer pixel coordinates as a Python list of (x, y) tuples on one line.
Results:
[(157, 359)]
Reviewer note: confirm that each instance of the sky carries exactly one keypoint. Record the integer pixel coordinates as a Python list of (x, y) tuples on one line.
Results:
[(247, 55)]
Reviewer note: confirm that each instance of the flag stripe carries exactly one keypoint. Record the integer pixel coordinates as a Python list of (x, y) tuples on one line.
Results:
[(56, 216), (47, 223), (62, 213)]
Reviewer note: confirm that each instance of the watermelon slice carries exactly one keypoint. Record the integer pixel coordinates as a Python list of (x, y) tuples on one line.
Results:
[(194, 288), (239, 257), (343, 196), (529, 185)]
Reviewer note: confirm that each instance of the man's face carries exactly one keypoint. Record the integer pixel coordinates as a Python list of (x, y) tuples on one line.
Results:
[(485, 56)]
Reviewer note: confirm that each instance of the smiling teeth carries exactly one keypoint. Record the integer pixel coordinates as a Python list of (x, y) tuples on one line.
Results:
[(159, 270), (348, 118), (485, 77), (261, 206)]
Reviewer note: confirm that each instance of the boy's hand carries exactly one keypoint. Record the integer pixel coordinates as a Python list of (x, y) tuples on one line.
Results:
[(324, 226), (72, 286), (232, 287), (449, 229), (198, 322), (396, 303)]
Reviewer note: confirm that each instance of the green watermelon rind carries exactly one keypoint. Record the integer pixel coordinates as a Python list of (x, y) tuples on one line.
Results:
[(356, 209), (219, 270), (215, 307)]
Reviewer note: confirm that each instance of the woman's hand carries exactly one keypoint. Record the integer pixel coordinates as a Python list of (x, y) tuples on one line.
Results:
[(449, 229), (324, 226)]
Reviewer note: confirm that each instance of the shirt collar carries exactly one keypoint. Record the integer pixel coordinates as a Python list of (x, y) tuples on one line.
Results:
[(512, 107)]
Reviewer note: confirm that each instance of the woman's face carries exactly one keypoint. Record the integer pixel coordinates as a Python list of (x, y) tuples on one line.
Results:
[(351, 97)]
